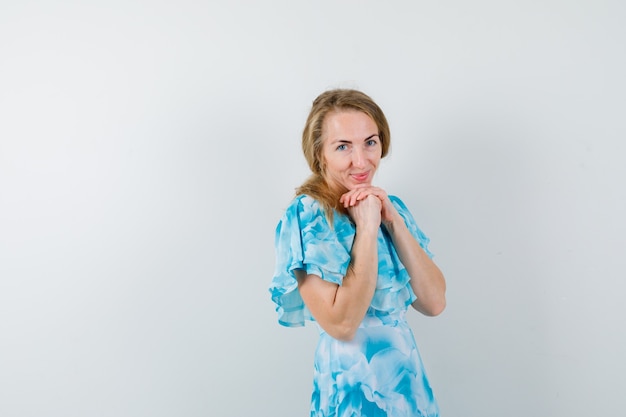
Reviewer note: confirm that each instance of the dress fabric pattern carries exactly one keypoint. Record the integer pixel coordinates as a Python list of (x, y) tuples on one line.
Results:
[(380, 372)]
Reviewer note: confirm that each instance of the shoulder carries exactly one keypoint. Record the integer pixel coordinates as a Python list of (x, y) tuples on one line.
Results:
[(398, 202), (303, 206), (403, 210), (301, 211)]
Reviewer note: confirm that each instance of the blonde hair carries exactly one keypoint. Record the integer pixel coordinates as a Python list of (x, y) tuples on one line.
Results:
[(335, 100)]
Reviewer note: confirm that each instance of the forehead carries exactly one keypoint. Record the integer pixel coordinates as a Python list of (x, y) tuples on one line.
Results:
[(348, 124)]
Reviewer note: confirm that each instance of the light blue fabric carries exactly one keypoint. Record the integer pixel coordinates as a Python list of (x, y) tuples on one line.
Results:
[(379, 373)]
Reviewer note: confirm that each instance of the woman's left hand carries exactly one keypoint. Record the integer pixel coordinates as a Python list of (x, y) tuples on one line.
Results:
[(388, 212)]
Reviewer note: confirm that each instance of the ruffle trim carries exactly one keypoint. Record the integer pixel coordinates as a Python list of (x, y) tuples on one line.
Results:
[(298, 236), (297, 239)]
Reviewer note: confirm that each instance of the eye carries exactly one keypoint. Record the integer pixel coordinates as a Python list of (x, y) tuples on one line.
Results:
[(372, 142), (342, 147)]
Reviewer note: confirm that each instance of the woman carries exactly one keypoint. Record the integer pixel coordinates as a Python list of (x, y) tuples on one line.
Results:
[(352, 258)]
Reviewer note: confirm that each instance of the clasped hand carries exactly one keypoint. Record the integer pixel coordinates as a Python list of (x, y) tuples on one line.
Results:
[(369, 205)]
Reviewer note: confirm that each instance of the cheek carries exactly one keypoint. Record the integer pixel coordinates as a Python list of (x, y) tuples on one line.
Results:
[(375, 159), (336, 167)]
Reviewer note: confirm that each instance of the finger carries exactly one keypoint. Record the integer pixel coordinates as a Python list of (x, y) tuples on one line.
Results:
[(379, 192), (360, 195), (364, 193), (345, 198), (353, 198)]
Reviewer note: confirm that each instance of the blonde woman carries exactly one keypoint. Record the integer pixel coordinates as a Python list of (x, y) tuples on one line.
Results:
[(352, 259)]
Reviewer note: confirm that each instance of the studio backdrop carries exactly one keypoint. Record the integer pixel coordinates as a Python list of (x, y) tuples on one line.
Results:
[(148, 150)]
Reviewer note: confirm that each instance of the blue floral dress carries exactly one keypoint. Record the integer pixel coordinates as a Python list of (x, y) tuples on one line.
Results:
[(379, 373)]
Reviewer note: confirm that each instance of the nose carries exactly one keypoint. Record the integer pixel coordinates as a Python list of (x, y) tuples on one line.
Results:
[(358, 157)]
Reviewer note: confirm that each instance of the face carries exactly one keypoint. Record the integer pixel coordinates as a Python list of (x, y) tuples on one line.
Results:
[(351, 149)]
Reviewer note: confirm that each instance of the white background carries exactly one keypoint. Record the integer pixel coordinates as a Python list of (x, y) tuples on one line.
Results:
[(148, 148)]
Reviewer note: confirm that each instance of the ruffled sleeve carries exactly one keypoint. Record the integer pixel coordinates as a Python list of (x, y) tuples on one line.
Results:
[(304, 240), (411, 224)]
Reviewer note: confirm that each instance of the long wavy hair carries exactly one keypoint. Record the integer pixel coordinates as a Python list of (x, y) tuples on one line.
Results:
[(336, 100)]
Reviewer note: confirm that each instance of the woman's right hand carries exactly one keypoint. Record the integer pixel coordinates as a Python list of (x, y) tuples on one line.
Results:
[(366, 213)]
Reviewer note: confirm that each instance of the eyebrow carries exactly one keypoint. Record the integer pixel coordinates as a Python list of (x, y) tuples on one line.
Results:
[(348, 141)]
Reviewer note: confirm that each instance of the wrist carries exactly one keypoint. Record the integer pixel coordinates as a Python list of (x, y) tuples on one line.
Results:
[(394, 225), (367, 230)]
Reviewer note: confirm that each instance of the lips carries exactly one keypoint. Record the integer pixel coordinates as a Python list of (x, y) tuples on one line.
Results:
[(360, 177)]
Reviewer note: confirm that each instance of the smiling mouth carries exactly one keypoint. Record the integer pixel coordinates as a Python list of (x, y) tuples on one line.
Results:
[(360, 177)]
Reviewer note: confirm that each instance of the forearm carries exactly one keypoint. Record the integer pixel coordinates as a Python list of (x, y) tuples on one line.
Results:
[(339, 309), (427, 281), (354, 296)]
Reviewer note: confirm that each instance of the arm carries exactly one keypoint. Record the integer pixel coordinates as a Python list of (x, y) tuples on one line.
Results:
[(427, 281), (340, 309)]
